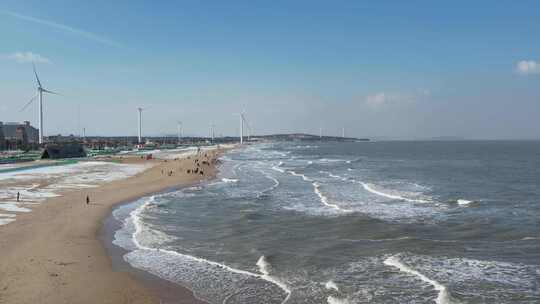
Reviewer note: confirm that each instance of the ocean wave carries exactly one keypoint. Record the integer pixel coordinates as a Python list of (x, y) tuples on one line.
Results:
[(325, 200), (464, 202), (530, 238), (317, 190), (229, 180), (142, 252), (332, 160), (335, 300), (303, 176), (264, 268), (378, 240), (442, 296), (276, 167), (369, 188), (499, 282), (305, 147), (274, 186), (330, 285)]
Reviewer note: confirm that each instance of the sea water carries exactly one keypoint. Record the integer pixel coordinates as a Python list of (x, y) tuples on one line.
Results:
[(381, 222)]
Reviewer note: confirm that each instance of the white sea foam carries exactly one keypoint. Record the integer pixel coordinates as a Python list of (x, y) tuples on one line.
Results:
[(324, 199), (464, 202), (500, 282), (334, 300), (276, 168), (274, 186), (264, 268), (369, 188), (378, 240), (5, 221), (331, 160), (330, 285), (135, 219), (229, 180), (305, 147), (304, 177), (442, 296), (13, 208)]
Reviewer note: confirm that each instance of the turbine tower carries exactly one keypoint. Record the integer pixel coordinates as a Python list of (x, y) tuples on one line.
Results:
[(179, 131), (343, 132), (139, 110), (40, 91), (241, 128), (242, 122)]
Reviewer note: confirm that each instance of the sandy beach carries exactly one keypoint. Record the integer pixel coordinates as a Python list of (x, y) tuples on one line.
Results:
[(53, 254)]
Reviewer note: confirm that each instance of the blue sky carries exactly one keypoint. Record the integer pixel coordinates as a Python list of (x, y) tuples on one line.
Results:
[(408, 69)]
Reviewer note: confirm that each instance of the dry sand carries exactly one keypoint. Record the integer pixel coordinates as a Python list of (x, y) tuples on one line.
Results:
[(53, 254)]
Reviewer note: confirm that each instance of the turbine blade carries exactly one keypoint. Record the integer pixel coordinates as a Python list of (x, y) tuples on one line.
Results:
[(35, 73), (28, 103), (50, 92)]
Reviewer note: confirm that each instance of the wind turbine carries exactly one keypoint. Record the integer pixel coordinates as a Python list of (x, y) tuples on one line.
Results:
[(242, 121), (40, 91), (139, 110), (241, 128), (248, 128), (179, 131)]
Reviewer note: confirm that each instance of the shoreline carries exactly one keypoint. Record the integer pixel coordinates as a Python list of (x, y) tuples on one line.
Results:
[(55, 254), (168, 292)]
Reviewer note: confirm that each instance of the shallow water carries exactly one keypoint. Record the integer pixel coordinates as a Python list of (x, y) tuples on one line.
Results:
[(383, 222)]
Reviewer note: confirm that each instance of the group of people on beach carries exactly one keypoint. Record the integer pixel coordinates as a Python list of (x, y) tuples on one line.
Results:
[(198, 169), (200, 161)]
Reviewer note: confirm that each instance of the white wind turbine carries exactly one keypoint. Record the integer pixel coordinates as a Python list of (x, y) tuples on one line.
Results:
[(139, 110), (40, 91), (179, 131), (242, 121)]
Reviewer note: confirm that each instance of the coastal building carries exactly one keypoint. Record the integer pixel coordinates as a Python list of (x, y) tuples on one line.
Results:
[(2, 138), (63, 150), (14, 135)]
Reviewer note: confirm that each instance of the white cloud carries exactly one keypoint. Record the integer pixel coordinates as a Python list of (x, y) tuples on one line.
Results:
[(377, 100), (25, 57), (385, 99), (526, 67), (65, 28)]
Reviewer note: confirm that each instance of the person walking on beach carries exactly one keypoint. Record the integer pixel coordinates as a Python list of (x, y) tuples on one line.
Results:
[(87, 199), (18, 196)]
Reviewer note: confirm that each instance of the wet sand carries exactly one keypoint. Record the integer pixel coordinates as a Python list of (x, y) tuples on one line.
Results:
[(54, 254)]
